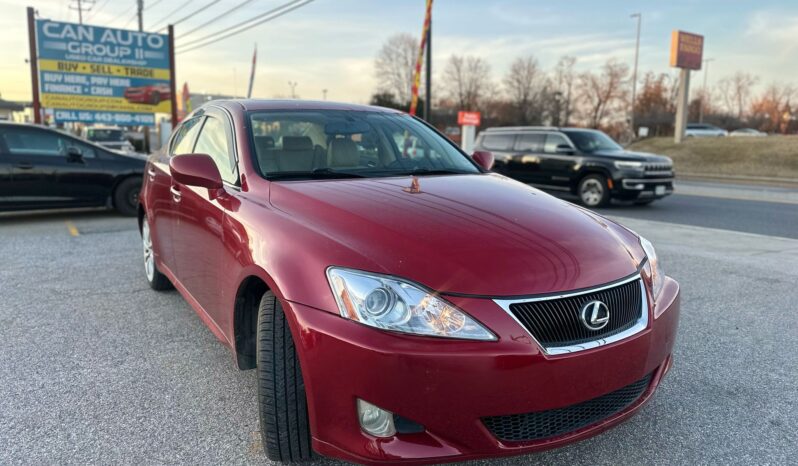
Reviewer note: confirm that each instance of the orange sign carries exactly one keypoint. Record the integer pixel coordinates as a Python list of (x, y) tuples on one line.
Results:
[(686, 50), (469, 118)]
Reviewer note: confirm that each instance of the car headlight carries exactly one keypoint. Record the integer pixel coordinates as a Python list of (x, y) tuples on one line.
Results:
[(391, 303), (653, 267), (621, 165)]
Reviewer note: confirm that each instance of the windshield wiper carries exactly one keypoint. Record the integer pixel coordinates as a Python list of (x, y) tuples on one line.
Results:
[(315, 174), (437, 171)]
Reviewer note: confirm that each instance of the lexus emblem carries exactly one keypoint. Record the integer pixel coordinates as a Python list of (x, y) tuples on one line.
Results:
[(595, 315)]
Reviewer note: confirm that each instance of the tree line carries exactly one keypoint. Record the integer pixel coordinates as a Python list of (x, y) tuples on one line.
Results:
[(528, 94)]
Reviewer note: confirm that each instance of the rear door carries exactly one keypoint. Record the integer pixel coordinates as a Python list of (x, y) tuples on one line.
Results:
[(501, 145)]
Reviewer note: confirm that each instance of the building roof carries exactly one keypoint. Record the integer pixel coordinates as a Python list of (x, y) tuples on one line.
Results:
[(12, 106)]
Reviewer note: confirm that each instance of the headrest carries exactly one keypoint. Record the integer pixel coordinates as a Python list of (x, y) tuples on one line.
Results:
[(264, 142), (297, 143), (344, 153)]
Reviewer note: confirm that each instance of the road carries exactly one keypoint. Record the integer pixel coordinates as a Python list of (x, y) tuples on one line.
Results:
[(98, 368)]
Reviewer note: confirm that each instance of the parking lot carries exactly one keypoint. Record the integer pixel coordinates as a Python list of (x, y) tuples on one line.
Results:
[(97, 368)]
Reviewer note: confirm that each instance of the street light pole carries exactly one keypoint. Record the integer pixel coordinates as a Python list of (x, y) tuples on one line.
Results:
[(140, 13), (704, 90), (293, 88), (639, 17)]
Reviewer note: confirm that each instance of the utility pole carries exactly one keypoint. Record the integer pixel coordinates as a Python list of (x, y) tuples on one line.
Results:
[(81, 6), (293, 85), (704, 90), (639, 17), (140, 13), (428, 84), (324, 93)]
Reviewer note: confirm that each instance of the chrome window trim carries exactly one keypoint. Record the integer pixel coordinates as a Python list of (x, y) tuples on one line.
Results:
[(638, 327)]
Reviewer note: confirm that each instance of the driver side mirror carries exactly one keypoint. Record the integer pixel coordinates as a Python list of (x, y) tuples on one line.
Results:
[(74, 154), (195, 170), (484, 159), (564, 149)]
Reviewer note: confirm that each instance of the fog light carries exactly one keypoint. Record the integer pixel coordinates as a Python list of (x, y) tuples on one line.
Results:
[(375, 421)]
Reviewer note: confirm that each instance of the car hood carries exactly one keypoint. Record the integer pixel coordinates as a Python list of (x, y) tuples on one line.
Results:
[(481, 235), (634, 156)]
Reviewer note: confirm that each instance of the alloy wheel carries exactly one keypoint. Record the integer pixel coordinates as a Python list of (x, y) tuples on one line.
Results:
[(592, 192), (149, 258)]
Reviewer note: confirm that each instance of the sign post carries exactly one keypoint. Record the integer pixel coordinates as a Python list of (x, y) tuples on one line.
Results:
[(687, 54), (94, 74), (469, 121), (34, 68)]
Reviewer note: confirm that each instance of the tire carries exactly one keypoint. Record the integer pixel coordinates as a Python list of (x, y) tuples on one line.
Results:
[(155, 278), (126, 196), (282, 403), (593, 191), (155, 98)]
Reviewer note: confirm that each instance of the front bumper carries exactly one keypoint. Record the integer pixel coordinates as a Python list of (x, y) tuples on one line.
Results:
[(449, 386), (643, 188)]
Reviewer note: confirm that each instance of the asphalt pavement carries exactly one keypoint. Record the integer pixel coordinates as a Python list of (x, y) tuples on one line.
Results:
[(97, 368)]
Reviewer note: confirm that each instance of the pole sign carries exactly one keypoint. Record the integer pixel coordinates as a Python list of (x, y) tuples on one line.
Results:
[(469, 118), (686, 50), (93, 74)]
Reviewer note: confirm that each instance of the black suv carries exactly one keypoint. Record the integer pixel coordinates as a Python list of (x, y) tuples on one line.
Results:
[(585, 162)]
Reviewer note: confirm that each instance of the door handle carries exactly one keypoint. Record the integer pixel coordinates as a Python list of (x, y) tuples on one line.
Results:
[(24, 166), (151, 174), (175, 193)]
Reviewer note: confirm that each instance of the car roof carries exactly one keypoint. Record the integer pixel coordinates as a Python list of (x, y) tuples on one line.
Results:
[(521, 129), (293, 104)]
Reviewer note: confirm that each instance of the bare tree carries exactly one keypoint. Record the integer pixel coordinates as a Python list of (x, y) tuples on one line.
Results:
[(525, 85), (600, 92), (564, 77), (735, 92), (394, 66), (467, 81)]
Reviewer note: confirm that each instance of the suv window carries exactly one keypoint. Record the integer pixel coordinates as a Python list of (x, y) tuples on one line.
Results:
[(184, 139), (212, 140), (498, 141), (552, 141), (530, 142), (32, 141)]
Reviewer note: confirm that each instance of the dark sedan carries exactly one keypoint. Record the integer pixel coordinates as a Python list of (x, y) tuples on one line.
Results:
[(41, 168)]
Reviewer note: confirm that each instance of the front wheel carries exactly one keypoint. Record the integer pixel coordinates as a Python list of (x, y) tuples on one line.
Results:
[(126, 196), (282, 403), (593, 191), (155, 278)]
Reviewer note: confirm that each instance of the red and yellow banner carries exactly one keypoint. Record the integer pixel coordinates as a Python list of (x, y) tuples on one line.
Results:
[(420, 59)]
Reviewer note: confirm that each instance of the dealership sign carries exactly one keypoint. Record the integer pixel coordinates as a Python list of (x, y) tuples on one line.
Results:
[(94, 74), (469, 118), (686, 50)]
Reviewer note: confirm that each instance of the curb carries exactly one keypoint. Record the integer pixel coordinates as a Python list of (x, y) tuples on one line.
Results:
[(759, 180)]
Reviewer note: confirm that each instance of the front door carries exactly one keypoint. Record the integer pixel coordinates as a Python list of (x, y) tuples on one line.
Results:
[(558, 167)]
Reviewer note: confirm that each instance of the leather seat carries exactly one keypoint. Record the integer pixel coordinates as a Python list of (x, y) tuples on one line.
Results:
[(298, 154), (343, 153)]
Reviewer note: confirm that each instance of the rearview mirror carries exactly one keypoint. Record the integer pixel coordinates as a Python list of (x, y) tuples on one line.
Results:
[(195, 170), (484, 159), (564, 149)]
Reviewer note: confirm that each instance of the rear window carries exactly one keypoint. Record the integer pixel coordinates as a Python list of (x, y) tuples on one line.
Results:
[(498, 141)]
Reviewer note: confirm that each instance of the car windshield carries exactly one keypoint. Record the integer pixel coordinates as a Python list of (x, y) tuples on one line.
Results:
[(307, 144), (592, 141), (104, 135)]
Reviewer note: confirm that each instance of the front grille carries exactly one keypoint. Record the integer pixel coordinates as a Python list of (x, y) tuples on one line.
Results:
[(545, 424), (658, 167), (556, 322)]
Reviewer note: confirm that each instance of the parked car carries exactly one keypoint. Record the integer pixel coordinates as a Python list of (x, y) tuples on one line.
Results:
[(748, 132), (703, 130), (111, 137), (584, 162), (152, 95), (400, 308), (42, 168)]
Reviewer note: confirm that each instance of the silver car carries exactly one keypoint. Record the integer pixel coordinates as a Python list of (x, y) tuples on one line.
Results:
[(703, 130)]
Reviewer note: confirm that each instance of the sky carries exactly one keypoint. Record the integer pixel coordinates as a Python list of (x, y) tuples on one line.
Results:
[(332, 44)]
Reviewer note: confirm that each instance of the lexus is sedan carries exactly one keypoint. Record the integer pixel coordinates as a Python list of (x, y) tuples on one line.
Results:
[(400, 302)]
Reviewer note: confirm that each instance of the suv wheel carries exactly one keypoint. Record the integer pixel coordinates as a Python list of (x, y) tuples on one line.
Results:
[(282, 403), (593, 191), (155, 278)]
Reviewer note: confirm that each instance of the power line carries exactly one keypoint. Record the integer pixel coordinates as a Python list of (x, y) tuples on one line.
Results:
[(147, 7), (98, 9), (168, 15), (200, 10), (213, 20), (260, 19), (120, 15), (132, 18)]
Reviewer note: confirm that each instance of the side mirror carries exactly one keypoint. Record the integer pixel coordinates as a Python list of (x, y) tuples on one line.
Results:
[(484, 159), (564, 149), (74, 154), (195, 170)]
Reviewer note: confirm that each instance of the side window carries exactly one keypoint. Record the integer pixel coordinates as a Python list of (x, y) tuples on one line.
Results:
[(33, 142), (212, 140), (184, 139), (530, 142), (552, 141), (85, 150), (498, 141)]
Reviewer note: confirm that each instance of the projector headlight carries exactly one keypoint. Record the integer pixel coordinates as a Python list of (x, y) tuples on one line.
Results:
[(653, 267), (391, 303)]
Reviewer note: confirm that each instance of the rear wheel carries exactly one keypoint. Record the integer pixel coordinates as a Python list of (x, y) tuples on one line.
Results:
[(593, 191), (155, 278), (126, 196), (155, 98), (282, 403)]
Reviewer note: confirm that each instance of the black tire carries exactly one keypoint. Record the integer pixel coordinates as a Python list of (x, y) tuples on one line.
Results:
[(282, 404), (126, 196), (593, 191), (155, 278), (155, 98)]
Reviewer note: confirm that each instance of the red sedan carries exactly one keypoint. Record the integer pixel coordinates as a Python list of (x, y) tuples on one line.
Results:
[(397, 305), (152, 95)]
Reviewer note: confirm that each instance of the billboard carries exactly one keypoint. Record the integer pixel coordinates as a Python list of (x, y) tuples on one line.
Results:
[(94, 74), (686, 50)]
